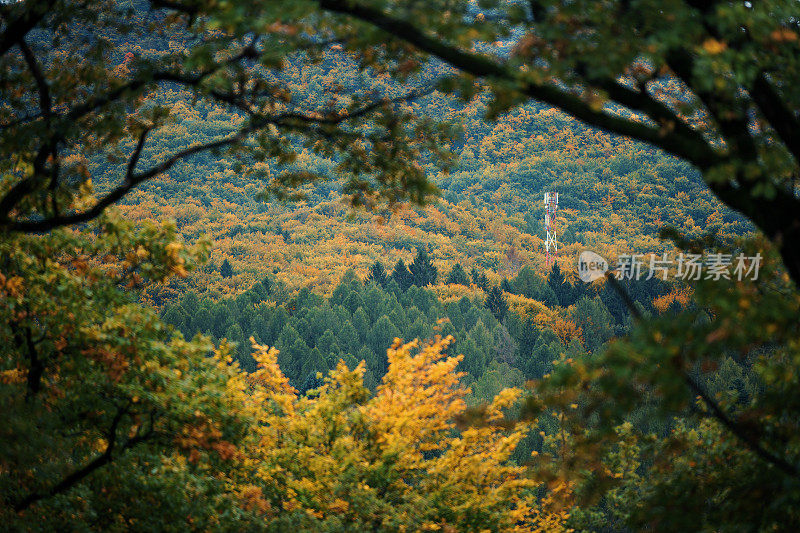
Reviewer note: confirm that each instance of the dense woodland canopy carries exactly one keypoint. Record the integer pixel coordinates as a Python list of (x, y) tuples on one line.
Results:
[(358, 321), (616, 196), (219, 221)]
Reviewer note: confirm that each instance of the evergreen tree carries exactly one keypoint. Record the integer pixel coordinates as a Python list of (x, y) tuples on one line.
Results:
[(201, 322), (235, 334), (361, 322), (371, 362), (176, 317), (419, 330), (392, 287), (402, 276), (375, 303), (339, 294), (377, 274), (595, 320), (496, 303), (505, 348), (479, 279), (562, 289), (525, 332), (530, 284), (423, 272), (311, 381), (353, 301), (294, 358), (261, 330), (329, 346), (474, 357), (220, 318), (348, 337), (458, 276), (226, 270), (381, 336), (455, 315), (190, 302), (314, 362), (277, 321), (505, 286)]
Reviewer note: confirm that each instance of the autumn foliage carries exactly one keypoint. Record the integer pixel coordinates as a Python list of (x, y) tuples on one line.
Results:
[(342, 458)]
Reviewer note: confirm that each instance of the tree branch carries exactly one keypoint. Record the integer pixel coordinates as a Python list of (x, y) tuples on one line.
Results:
[(98, 462), (747, 439), (132, 179), (137, 152), (727, 112), (45, 102), (482, 66), (16, 29), (782, 119), (47, 224), (752, 443)]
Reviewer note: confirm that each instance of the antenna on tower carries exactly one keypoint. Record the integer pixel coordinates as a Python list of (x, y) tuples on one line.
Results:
[(550, 206)]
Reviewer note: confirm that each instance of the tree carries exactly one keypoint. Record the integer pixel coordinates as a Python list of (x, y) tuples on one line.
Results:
[(422, 270), (505, 348), (496, 303), (225, 269), (594, 320), (402, 276), (479, 279), (383, 332), (458, 275), (392, 460), (559, 285), (530, 284), (496, 378), (110, 420), (377, 274), (744, 440), (361, 322)]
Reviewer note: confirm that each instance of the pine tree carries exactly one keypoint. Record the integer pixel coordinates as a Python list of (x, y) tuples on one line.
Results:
[(559, 285), (496, 303), (479, 279), (377, 274), (422, 270), (226, 270), (402, 276), (458, 276), (594, 320), (505, 285)]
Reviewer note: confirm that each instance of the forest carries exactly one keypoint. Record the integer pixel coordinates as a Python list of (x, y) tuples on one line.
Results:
[(282, 266), (501, 347)]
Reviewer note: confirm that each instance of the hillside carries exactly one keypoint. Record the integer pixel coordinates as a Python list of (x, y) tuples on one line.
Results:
[(278, 266), (615, 196)]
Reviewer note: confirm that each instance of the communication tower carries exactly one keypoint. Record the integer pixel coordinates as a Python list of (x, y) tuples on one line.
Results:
[(550, 206)]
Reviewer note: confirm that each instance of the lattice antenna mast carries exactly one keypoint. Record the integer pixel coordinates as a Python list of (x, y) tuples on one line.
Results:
[(550, 206)]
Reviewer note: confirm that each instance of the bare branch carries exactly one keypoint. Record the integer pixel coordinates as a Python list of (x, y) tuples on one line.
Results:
[(45, 102), (47, 224), (290, 121), (137, 152)]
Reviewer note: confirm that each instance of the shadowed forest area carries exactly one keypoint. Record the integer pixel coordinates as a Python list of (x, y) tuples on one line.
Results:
[(290, 265)]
